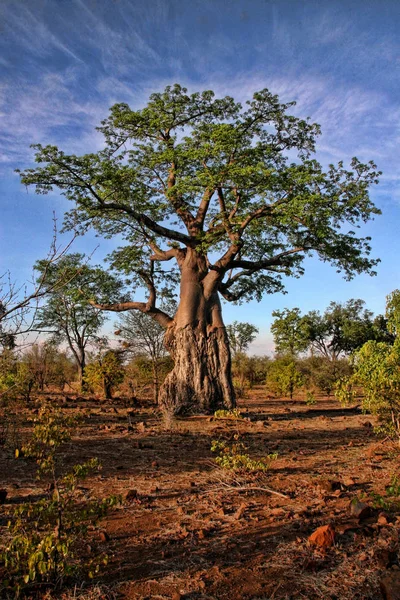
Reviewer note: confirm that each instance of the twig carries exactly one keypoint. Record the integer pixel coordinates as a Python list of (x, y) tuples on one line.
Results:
[(244, 488)]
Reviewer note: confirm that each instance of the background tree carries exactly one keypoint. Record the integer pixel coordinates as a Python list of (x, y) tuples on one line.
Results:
[(106, 372), (344, 328), (240, 336), (290, 332), (322, 373), (143, 336), (19, 302), (209, 185), (48, 366), (67, 314)]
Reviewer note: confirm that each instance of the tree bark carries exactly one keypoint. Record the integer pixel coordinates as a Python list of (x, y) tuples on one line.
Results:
[(201, 380)]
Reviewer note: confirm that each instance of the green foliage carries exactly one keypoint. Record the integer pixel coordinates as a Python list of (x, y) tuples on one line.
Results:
[(290, 332), (377, 370), (105, 373), (239, 184), (68, 315), (45, 535), (284, 376), (234, 414), (322, 373), (234, 457), (391, 500), (310, 399), (344, 328)]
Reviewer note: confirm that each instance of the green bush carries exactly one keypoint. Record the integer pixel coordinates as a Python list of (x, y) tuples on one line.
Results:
[(377, 370), (284, 376), (234, 414), (45, 536), (235, 458)]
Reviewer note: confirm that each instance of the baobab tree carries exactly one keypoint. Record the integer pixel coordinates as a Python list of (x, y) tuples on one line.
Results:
[(232, 196)]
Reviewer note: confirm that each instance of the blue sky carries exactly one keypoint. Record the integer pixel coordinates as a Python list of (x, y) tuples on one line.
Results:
[(63, 63)]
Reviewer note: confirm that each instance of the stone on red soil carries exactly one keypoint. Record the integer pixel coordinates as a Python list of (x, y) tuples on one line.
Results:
[(324, 536), (382, 519), (103, 536), (361, 510), (131, 495)]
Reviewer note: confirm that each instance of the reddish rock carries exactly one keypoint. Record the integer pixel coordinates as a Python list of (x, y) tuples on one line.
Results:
[(103, 536), (324, 536), (382, 519), (348, 481)]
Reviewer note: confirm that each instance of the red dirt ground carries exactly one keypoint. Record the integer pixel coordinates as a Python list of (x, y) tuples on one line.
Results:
[(189, 535)]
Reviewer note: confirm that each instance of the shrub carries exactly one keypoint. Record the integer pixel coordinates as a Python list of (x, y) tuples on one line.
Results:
[(377, 370), (234, 457), (310, 399), (234, 414), (284, 376), (46, 535), (105, 373)]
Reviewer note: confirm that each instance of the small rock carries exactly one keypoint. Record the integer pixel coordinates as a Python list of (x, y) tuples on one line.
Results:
[(277, 512), (324, 536), (348, 481), (390, 586), (104, 537), (358, 509), (382, 520), (131, 495), (141, 427)]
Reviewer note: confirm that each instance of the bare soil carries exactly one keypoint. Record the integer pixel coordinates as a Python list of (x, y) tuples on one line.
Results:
[(186, 530)]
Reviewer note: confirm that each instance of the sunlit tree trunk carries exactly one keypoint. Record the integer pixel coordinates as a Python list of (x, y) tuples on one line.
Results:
[(201, 379)]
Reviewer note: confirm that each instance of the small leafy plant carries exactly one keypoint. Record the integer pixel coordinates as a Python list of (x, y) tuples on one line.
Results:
[(392, 499), (310, 399), (234, 414), (46, 536), (233, 456)]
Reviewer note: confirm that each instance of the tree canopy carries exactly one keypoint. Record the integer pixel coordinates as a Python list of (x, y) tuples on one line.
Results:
[(199, 172), (67, 314)]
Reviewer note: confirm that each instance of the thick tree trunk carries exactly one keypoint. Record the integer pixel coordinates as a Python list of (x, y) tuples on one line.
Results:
[(201, 380), (81, 376)]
